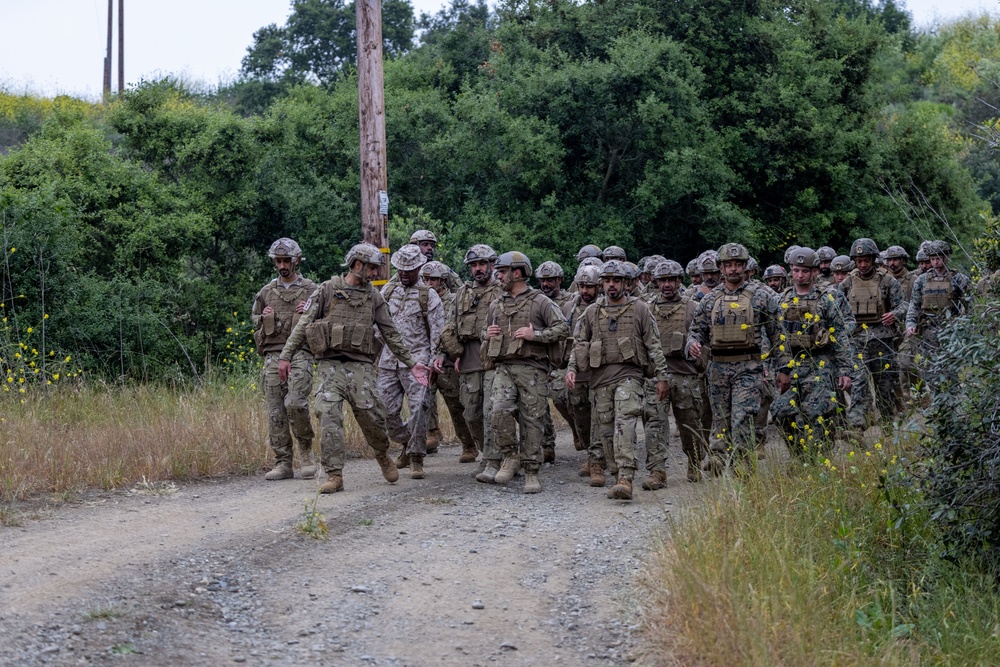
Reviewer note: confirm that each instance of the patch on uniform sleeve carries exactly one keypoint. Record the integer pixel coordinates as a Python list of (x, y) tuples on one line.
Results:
[(308, 303)]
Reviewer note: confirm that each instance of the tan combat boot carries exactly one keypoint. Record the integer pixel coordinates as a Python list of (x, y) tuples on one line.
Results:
[(389, 470), (334, 482), (531, 483), (416, 467), (489, 473), (549, 455), (403, 461), (308, 464), (469, 455), (433, 440), (657, 480), (577, 443), (596, 472), (585, 468), (281, 470), (622, 490), (511, 464)]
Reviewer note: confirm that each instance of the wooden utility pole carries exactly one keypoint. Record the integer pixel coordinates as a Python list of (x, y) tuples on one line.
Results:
[(121, 46), (107, 58), (371, 111)]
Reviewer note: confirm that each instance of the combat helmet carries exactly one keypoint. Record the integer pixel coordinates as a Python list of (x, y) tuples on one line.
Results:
[(285, 247), (842, 263), (693, 267), (514, 260), (434, 269), (752, 265), (733, 251), (826, 254), (789, 251), (667, 269), (480, 252), (896, 251), (422, 235), (549, 269), (592, 261), (862, 247), (614, 252), (588, 275), (805, 257), (633, 270), (408, 258), (775, 271), (589, 250), (614, 268), (708, 264), (365, 252), (937, 248)]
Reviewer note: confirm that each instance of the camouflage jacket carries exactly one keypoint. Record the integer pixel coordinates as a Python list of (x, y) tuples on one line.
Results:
[(418, 314), (832, 337), (765, 314), (892, 301), (961, 293)]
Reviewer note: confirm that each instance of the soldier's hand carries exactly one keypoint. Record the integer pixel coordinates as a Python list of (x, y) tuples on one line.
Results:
[(438, 364), (493, 330), (911, 331), (888, 319), (662, 390), (527, 333), (300, 307), (421, 374), (267, 311), (694, 350), (571, 379), (844, 382), (284, 366), (458, 363), (783, 382)]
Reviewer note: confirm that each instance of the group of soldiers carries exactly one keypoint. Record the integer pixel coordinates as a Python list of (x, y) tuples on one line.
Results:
[(825, 342)]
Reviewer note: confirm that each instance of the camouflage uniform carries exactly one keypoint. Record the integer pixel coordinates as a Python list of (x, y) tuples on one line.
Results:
[(558, 394), (418, 315), (814, 349), (935, 296), (339, 325), (736, 371), (287, 402), (869, 299)]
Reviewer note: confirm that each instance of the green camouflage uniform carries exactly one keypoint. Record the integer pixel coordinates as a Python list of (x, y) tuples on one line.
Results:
[(339, 325), (558, 392), (620, 346), (934, 298), (287, 402)]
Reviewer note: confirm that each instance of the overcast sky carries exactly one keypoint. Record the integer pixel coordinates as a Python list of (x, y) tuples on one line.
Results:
[(57, 46)]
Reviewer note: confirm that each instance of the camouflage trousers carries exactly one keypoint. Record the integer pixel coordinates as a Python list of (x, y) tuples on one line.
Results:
[(618, 408), (860, 411), (807, 411), (288, 404), (581, 414), (767, 394), (685, 401), (354, 382), (477, 402), (560, 399), (734, 391), (447, 385), (392, 386), (520, 397), (879, 356)]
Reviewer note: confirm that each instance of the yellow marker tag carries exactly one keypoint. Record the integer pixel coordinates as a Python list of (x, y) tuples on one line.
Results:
[(379, 283), (385, 250)]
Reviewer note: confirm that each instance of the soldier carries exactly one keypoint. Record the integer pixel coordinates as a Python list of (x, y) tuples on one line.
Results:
[(418, 315), (617, 340), (339, 325), (877, 304), (693, 270), (589, 250), (826, 256), (550, 277), (588, 282), (447, 381), (521, 339), (614, 252), (775, 277), (840, 267), (277, 307), (752, 269), (895, 262), (460, 347), (673, 314), (731, 319), (923, 259), (813, 356), (938, 293)]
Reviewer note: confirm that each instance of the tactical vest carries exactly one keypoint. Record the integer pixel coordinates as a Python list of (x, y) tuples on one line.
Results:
[(732, 326), (275, 327), (347, 325), (614, 339), (671, 319), (937, 293), (905, 280), (800, 322), (471, 307), (867, 302), (512, 316)]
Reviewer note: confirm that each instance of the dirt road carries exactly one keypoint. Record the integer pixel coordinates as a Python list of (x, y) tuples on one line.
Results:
[(442, 571)]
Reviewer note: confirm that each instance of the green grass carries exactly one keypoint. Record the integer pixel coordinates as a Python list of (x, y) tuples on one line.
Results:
[(828, 564)]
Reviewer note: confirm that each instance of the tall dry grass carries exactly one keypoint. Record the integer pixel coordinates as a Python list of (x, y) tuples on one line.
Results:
[(112, 437)]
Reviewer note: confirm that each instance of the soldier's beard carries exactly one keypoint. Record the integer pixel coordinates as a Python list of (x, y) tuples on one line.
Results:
[(826, 273), (361, 277)]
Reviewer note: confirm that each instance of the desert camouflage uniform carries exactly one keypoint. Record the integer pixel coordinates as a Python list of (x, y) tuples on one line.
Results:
[(558, 393), (876, 342), (735, 373), (447, 383), (618, 371), (418, 315), (578, 397), (346, 372), (521, 370), (287, 402)]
